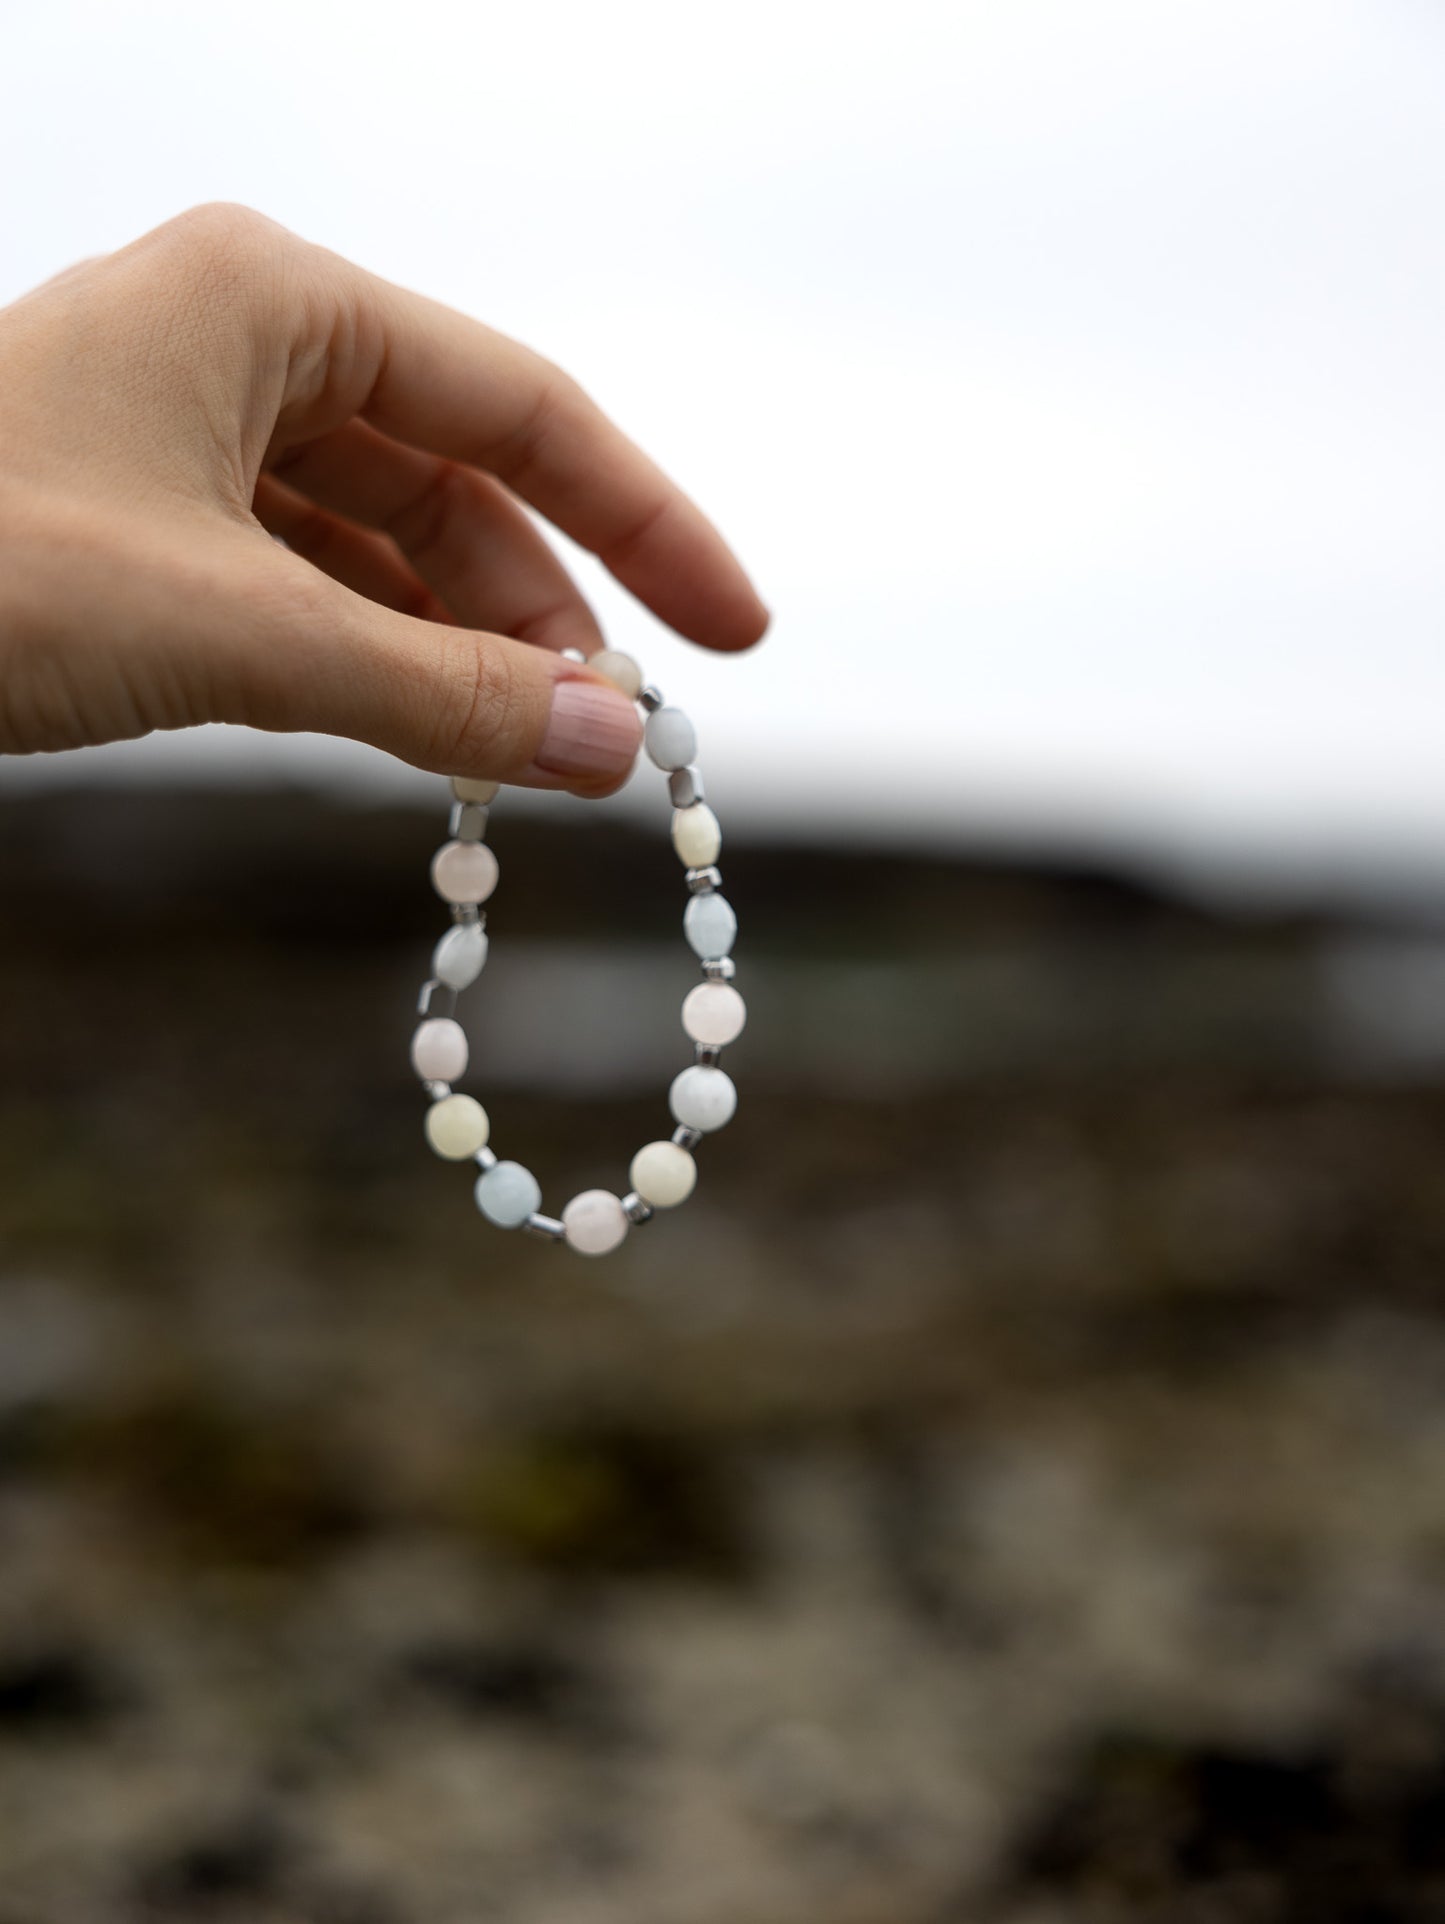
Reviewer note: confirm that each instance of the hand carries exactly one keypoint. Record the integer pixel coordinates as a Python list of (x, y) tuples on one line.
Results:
[(166, 409)]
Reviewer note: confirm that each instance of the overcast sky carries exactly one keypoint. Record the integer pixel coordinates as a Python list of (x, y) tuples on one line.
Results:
[(1071, 375)]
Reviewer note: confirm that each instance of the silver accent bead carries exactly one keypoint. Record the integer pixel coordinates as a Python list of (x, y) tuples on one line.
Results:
[(486, 1159), (721, 968), (430, 990), (436, 1090), (574, 654), (686, 1138), (684, 786), (652, 699), (546, 1227), (709, 1054), (635, 1209), (701, 881), (469, 822), (469, 912)]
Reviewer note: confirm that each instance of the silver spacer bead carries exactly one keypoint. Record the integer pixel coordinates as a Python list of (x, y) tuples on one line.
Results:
[(684, 785), (436, 1090), (686, 1138), (574, 654), (469, 822), (546, 1227), (720, 968), (702, 881), (486, 1159), (468, 912), (651, 698), (709, 1054), (635, 1209), (430, 990)]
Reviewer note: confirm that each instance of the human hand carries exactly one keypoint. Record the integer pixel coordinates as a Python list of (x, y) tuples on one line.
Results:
[(166, 409)]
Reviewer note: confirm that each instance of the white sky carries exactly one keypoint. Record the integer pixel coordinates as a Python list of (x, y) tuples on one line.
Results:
[(1071, 376)]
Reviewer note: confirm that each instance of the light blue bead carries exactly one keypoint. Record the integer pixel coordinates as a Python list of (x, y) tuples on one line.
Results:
[(710, 926), (507, 1194)]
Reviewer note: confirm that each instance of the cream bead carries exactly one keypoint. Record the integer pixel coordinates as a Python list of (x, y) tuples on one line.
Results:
[(439, 1049), (464, 872), (714, 1013), (620, 669), (457, 1127), (669, 738), (467, 790), (663, 1174), (594, 1222), (460, 956), (702, 1098), (696, 835)]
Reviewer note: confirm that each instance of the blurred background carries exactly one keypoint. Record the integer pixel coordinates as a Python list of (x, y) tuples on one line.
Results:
[(1013, 1488)]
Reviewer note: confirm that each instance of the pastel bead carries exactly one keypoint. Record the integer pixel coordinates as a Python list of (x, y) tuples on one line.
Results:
[(460, 956), (464, 872), (467, 790), (620, 669), (663, 1174), (696, 835), (507, 1194), (457, 1127), (713, 1013), (594, 1222), (710, 925), (669, 738), (439, 1049), (702, 1098)]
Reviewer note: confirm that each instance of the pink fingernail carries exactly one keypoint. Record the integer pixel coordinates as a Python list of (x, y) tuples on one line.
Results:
[(593, 730)]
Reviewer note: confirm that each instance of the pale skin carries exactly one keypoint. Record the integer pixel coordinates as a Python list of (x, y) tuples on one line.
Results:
[(166, 410)]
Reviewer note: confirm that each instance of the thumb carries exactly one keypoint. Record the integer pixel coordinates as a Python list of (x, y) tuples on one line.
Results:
[(457, 701)]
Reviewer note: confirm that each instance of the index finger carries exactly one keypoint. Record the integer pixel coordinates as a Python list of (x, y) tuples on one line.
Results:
[(450, 384)]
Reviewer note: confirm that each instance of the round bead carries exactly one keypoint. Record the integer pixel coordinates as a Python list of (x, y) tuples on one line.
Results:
[(439, 1049), (620, 669), (459, 957), (507, 1194), (457, 1127), (663, 1174), (702, 1098), (594, 1222), (714, 1013), (710, 925), (464, 872), (467, 790), (670, 738), (696, 835)]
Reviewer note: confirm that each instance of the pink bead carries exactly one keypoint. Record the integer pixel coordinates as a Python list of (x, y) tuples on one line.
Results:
[(464, 872), (439, 1050), (594, 1222)]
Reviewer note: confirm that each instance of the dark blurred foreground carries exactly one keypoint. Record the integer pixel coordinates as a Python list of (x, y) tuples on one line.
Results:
[(1012, 1490)]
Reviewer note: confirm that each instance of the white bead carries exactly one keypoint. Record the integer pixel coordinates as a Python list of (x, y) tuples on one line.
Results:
[(439, 1049), (710, 925), (467, 790), (457, 1127), (594, 1222), (713, 1013), (670, 738), (663, 1174), (696, 835), (702, 1098), (460, 956), (507, 1194), (620, 669), (464, 872)]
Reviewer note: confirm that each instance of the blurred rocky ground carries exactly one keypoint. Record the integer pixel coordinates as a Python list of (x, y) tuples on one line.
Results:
[(1012, 1491)]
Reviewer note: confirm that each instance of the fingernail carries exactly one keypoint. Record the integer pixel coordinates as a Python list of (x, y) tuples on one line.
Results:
[(593, 730)]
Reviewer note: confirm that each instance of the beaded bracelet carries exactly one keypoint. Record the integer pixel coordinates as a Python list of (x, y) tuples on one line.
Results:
[(702, 1097)]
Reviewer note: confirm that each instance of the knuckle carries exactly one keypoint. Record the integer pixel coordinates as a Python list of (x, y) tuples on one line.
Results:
[(487, 726)]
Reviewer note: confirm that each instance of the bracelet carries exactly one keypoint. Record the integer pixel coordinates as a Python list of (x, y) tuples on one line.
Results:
[(702, 1097)]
